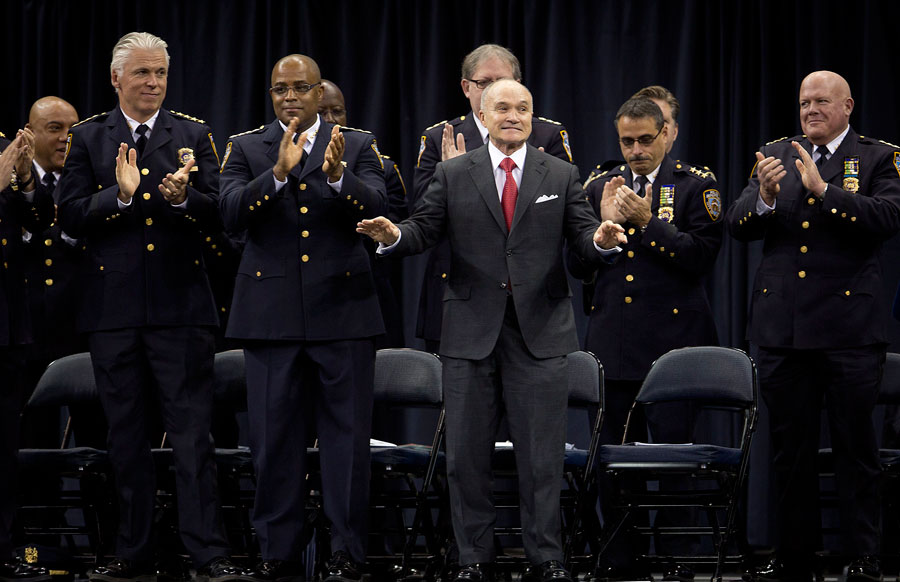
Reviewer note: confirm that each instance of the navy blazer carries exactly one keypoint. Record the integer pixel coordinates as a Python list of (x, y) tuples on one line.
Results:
[(143, 265), (304, 273), (462, 203), (819, 283), (652, 298)]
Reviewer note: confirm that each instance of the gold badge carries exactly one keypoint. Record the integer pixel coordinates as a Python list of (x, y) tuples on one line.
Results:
[(184, 156), (851, 185)]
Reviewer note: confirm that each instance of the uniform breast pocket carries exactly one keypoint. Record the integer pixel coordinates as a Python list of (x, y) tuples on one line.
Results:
[(114, 269), (260, 269)]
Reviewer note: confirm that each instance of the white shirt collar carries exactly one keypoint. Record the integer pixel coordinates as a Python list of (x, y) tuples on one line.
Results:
[(651, 177), (41, 172), (497, 156), (311, 133), (134, 123), (834, 144), (481, 128)]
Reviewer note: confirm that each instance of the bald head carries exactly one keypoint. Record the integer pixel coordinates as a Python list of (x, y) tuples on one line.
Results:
[(825, 106), (332, 107), (298, 77), (506, 110), (50, 119)]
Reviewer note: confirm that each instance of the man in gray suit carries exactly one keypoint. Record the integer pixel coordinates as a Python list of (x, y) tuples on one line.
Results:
[(506, 209)]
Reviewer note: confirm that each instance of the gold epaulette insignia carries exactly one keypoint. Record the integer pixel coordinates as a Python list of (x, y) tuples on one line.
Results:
[(92, 117), (549, 120), (776, 140), (186, 116), (436, 125), (887, 143), (249, 131), (354, 129)]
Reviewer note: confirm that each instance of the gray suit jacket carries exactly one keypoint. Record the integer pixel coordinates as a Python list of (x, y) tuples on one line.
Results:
[(462, 202)]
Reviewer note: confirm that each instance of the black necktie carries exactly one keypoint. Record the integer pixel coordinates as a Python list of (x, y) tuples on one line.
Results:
[(640, 183), (142, 139), (823, 154), (303, 159), (49, 181)]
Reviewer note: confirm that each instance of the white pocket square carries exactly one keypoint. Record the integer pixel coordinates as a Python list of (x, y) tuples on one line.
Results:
[(545, 198)]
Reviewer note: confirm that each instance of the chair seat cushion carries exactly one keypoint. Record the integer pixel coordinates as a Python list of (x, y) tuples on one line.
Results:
[(63, 460), (665, 453)]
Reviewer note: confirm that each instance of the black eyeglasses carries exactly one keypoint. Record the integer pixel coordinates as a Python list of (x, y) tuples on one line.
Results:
[(298, 88), (644, 140), (483, 83)]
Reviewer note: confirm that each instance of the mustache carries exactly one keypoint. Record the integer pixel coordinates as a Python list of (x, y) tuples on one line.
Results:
[(639, 158)]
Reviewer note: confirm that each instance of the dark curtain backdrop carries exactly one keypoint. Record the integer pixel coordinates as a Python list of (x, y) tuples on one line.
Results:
[(735, 66)]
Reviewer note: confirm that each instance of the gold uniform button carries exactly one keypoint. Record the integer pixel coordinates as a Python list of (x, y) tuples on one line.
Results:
[(150, 247), (653, 243), (259, 202), (222, 309), (662, 249), (146, 195), (259, 273), (852, 219), (628, 300), (209, 239), (671, 254), (304, 258), (629, 278), (149, 222), (102, 267), (443, 275), (48, 262), (213, 247), (805, 224), (347, 273), (765, 291), (834, 210), (304, 210), (48, 282), (675, 311), (811, 200), (843, 215), (48, 242), (847, 293), (196, 262), (145, 171), (803, 249), (802, 274), (630, 254), (266, 197), (252, 207), (304, 233), (303, 186), (3, 242), (630, 231)]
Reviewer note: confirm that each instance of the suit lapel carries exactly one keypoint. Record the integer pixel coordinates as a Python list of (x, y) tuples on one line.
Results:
[(533, 175), (272, 138), (482, 175), (161, 134), (119, 131), (317, 155), (835, 165), (471, 134)]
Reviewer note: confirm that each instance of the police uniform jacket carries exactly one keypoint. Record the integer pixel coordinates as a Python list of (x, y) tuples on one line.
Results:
[(17, 213), (304, 273), (651, 299), (143, 264), (819, 283), (545, 133)]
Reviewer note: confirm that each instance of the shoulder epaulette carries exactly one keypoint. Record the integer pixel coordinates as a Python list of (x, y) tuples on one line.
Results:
[(549, 120), (776, 140), (1, 134), (91, 118), (435, 125), (694, 170), (186, 116), (591, 178), (249, 131), (343, 127), (887, 143), (386, 157)]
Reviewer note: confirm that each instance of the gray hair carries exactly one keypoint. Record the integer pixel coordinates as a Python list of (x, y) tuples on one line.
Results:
[(641, 108), (486, 51), (131, 41)]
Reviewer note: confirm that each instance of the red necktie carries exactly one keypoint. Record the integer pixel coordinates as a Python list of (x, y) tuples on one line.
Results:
[(510, 192)]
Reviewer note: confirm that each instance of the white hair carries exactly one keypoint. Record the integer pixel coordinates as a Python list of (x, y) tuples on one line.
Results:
[(131, 41)]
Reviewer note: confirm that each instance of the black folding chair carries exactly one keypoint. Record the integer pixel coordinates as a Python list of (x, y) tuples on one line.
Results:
[(715, 382), (45, 510)]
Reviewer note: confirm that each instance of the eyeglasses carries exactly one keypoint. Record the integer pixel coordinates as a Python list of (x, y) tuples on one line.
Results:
[(644, 140), (483, 83), (298, 88)]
